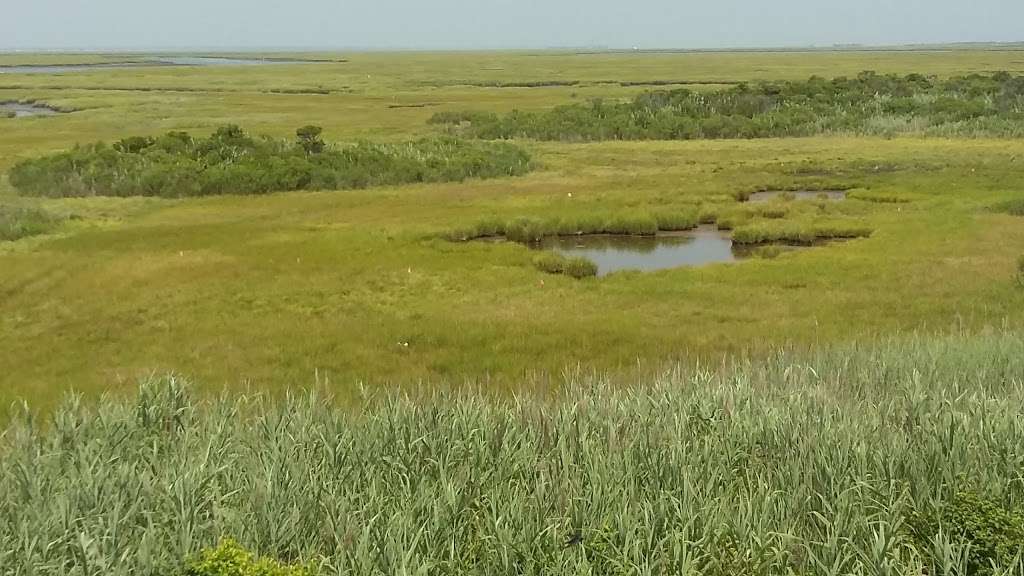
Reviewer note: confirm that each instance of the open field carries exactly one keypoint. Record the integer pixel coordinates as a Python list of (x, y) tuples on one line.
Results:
[(358, 285)]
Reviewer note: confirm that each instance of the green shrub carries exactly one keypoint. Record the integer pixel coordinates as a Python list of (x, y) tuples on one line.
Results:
[(231, 559), (1013, 207), (555, 263), (1020, 271), (866, 104), (994, 534), (19, 222), (232, 162)]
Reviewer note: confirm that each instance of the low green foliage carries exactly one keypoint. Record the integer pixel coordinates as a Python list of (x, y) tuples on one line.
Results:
[(810, 463), (867, 104), (555, 263), (18, 222), (1013, 207), (797, 233), (232, 162), (1020, 271), (995, 534), (231, 559)]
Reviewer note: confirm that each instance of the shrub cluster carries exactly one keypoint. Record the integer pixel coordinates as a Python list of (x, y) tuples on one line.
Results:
[(19, 222), (869, 104), (233, 162), (996, 534), (231, 559)]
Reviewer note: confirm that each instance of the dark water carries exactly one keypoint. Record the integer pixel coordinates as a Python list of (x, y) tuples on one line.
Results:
[(833, 195), (149, 63), (26, 110), (704, 245)]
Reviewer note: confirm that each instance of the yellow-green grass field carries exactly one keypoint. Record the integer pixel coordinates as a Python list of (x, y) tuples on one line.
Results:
[(358, 286)]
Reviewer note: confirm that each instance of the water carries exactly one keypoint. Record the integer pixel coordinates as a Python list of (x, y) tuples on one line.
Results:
[(833, 195), (178, 61), (26, 110), (704, 245)]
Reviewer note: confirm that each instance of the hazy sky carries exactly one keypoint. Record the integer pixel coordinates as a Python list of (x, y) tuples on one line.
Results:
[(501, 23)]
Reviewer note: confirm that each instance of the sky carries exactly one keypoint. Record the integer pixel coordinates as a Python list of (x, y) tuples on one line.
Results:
[(483, 24)]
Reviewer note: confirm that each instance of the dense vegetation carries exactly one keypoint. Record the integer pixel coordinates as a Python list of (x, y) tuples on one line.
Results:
[(867, 104), (902, 457), (233, 162), (18, 222)]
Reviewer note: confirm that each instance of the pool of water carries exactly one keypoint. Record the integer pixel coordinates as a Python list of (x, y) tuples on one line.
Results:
[(704, 245), (26, 110), (149, 63), (833, 195)]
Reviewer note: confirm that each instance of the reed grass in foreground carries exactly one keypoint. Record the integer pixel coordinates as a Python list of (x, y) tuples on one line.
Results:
[(903, 457)]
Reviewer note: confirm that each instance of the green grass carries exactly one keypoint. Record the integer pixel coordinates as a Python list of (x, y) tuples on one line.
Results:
[(554, 263), (889, 456), (266, 291)]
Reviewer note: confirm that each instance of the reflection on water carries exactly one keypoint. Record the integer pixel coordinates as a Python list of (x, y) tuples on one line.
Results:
[(704, 245), (834, 195), (25, 110)]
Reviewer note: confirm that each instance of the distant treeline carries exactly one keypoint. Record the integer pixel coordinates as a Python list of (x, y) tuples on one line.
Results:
[(868, 104), (232, 162)]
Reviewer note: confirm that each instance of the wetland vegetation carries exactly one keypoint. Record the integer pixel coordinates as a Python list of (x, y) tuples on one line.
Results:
[(892, 457), (371, 392), (870, 103)]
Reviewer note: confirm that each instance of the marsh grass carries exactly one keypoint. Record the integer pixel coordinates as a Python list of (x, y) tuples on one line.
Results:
[(797, 233), (574, 267), (805, 463), (1020, 271), (1013, 207)]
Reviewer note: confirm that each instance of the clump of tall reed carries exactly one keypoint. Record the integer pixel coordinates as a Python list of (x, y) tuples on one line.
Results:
[(849, 460)]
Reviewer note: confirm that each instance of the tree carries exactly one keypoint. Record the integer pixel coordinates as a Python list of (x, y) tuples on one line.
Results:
[(309, 139)]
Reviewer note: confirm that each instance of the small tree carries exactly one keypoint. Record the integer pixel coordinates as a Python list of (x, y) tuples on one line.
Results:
[(309, 139)]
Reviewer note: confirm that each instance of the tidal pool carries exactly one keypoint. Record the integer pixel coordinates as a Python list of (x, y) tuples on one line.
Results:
[(25, 110), (612, 253), (833, 195)]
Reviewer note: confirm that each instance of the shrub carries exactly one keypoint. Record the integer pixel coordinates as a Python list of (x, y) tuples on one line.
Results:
[(18, 222), (232, 162), (1020, 271), (230, 559), (994, 535), (867, 104)]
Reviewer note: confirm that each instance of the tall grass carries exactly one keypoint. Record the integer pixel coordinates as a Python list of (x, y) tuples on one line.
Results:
[(847, 461)]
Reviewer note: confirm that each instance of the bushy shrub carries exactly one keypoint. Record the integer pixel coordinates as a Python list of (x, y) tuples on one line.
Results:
[(231, 559), (555, 263), (869, 103), (994, 534), (233, 162), (20, 222)]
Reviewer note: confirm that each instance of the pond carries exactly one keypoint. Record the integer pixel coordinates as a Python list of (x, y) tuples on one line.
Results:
[(611, 253), (156, 61), (833, 195), (21, 110)]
